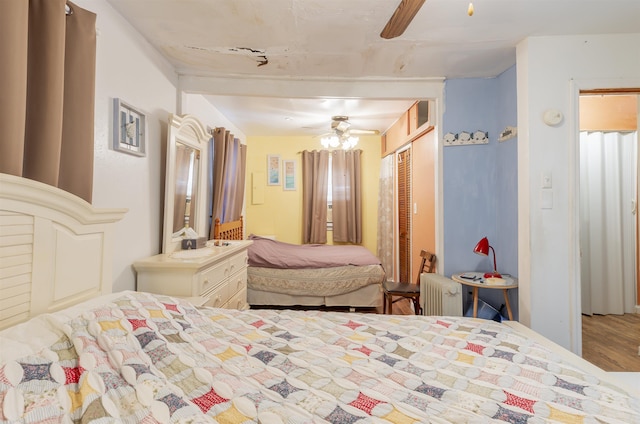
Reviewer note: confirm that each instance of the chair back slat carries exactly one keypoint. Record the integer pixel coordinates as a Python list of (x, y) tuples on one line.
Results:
[(427, 264)]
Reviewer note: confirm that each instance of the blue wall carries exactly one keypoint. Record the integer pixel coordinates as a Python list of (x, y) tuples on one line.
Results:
[(480, 181)]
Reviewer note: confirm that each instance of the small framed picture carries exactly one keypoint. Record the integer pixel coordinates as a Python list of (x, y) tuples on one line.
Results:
[(289, 171), (273, 169), (129, 129)]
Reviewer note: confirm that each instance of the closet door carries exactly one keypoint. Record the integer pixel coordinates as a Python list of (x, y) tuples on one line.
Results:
[(404, 214), (423, 198)]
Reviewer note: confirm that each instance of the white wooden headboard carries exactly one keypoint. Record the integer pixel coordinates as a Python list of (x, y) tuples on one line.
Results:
[(55, 249)]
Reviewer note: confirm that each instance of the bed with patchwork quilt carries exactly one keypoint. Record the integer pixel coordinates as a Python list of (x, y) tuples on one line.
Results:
[(135, 357)]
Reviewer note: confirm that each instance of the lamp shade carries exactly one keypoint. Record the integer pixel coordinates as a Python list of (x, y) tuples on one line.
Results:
[(482, 248)]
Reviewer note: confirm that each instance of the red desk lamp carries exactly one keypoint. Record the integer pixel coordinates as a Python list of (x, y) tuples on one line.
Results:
[(482, 248)]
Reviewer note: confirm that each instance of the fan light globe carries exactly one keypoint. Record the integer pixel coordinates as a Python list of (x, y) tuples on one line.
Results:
[(335, 141), (332, 141), (340, 135), (350, 143)]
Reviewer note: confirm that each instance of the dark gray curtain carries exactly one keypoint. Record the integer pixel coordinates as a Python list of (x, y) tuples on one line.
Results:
[(315, 170), (346, 184), (47, 81)]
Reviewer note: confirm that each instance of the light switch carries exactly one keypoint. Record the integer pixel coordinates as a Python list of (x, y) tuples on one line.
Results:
[(546, 198), (415, 208), (546, 180), (258, 181)]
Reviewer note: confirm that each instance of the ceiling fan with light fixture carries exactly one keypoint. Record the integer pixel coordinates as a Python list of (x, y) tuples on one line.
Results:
[(404, 14), (401, 18), (342, 134)]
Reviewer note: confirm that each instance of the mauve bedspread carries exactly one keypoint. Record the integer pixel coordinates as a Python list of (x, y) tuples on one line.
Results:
[(269, 253)]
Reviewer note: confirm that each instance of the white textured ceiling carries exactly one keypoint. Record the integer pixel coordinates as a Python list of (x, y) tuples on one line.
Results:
[(331, 39)]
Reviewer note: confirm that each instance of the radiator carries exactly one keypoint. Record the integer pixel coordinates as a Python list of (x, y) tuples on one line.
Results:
[(440, 295)]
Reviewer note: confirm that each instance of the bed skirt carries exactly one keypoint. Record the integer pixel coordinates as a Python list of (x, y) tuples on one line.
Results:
[(315, 282), (366, 297)]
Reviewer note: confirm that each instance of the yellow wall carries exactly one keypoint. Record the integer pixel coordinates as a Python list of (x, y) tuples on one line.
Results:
[(281, 213)]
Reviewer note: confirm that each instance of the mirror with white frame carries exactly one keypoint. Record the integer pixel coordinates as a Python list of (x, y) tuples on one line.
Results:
[(185, 198)]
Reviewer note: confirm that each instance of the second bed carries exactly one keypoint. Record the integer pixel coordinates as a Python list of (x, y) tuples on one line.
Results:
[(284, 274)]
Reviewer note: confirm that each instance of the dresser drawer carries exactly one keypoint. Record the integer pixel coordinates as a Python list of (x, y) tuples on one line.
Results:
[(217, 297), (238, 262), (238, 301), (237, 282), (211, 277), (216, 279)]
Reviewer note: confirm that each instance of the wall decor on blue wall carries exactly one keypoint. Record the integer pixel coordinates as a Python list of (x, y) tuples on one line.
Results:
[(480, 195), (465, 138), (507, 133)]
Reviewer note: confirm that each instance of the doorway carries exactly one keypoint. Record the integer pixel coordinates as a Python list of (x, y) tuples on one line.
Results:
[(608, 202)]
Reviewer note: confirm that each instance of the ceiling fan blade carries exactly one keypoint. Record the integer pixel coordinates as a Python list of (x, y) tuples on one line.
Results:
[(364, 132), (401, 18)]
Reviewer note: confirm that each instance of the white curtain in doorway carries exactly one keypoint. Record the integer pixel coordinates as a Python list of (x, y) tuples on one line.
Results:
[(607, 221), (385, 215)]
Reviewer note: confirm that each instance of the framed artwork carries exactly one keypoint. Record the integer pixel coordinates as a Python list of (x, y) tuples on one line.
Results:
[(129, 129), (273, 169), (289, 171)]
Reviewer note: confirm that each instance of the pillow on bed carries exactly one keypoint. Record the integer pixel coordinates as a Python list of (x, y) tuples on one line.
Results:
[(268, 253)]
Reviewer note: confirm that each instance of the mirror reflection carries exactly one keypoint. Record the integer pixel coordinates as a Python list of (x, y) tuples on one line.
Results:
[(185, 197), (187, 164)]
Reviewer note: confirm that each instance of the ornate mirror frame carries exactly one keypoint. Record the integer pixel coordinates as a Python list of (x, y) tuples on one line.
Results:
[(185, 130)]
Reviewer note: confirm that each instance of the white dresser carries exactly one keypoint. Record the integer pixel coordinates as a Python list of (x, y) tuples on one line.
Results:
[(216, 274)]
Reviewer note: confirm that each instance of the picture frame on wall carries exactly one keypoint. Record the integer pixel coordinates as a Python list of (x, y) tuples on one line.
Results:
[(273, 169), (289, 171), (129, 128)]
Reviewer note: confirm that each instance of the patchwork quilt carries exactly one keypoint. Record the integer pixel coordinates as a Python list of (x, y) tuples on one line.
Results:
[(143, 358)]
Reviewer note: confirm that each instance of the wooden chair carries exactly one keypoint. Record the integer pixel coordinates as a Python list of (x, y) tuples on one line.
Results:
[(403, 290)]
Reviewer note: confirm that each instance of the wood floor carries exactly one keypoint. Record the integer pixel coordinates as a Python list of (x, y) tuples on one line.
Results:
[(612, 341)]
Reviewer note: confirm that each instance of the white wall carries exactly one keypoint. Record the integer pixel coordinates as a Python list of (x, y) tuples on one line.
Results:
[(197, 105), (550, 73), (130, 69)]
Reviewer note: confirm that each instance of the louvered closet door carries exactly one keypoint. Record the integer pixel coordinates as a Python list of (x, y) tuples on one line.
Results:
[(404, 215)]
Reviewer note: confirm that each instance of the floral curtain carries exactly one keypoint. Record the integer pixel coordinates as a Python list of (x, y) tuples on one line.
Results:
[(385, 215)]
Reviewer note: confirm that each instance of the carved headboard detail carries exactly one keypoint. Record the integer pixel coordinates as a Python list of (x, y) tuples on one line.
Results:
[(232, 230)]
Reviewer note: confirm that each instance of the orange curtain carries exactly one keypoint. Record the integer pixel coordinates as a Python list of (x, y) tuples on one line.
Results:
[(315, 180), (47, 81), (346, 184)]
